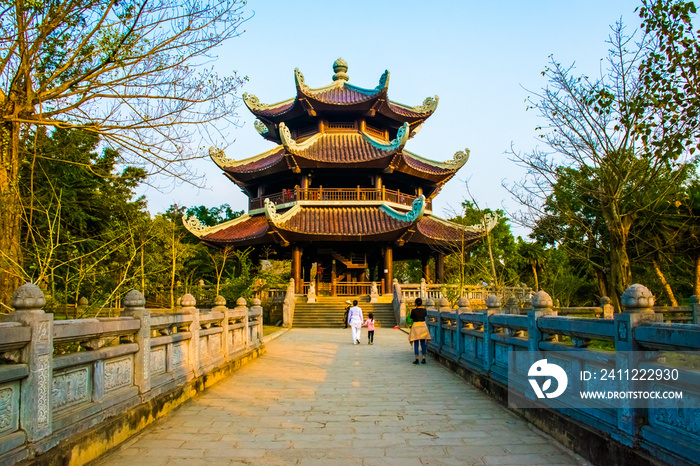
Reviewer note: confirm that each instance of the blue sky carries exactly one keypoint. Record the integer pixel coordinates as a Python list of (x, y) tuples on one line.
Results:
[(479, 57)]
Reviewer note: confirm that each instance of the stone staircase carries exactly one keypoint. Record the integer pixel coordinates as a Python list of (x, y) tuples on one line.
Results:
[(328, 313)]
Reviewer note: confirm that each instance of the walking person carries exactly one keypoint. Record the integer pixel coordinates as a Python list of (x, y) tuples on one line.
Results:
[(419, 330), (355, 321), (369, 323)]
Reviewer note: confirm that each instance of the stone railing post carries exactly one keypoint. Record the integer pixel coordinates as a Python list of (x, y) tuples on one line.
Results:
[(462, 308), (35, 416), (607, 307), (541, 306), (134, 306), (287, 306), (695, 308), (399, 304), (637, 302), (193, 348), (227, 343), (242, 309), (443, 305), (493, 304), (255, 322)]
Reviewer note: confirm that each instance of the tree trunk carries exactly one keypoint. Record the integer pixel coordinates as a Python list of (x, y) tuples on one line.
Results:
[(620, 270), (534, 273), (10, 214), (665, 284), (602, 283), (696, 281)]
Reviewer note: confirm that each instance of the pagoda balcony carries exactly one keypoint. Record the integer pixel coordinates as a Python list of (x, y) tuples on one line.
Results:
[(291, 196)]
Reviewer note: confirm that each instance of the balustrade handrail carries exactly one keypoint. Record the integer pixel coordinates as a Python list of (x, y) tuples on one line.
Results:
[(336, 194)]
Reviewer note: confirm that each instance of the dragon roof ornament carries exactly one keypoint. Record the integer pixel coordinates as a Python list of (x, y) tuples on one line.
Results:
[(416, 212), (271, 211), (254, 103), (194, 226), (219, 157), (459, 159), (261, 127), (299, 80), (383, 81), (290, 144), (489, 221), (429, 105), (398, 142)]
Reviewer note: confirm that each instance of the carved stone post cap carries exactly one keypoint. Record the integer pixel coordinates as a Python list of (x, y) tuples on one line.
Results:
[(422, 280), (605, 300), (255, 302), (28, 296), (444, 302), (220, 301), (429, 302), (134, 298), (493, 301), (291, 281), (188, 300), (541, 300), (637, 297), (83, 301), (395, 280), (463, 302), (241, 301)]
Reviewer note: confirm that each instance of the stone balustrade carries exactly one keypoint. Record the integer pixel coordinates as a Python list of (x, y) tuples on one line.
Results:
[(484, 345), (70, 390)]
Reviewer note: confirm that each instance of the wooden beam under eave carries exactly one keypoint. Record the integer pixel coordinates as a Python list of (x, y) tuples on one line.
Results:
[(308, 107)]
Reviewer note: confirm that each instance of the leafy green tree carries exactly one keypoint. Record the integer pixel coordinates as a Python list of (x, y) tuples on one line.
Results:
[(534, 256), (668, 109), (493, 259), (77, 215)]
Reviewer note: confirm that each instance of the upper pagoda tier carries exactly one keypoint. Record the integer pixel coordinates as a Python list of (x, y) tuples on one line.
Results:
[(322, 132), (338, 99)]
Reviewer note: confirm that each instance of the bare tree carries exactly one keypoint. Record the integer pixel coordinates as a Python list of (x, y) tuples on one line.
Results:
[(136, 73)]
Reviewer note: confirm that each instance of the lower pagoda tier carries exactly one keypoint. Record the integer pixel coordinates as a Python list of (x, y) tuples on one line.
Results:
[(353, 241)]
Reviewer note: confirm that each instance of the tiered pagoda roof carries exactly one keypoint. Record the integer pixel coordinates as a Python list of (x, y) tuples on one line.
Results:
[(320, 135)]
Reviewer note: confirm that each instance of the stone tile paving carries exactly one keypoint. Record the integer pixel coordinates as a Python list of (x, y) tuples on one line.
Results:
[(314, 398)]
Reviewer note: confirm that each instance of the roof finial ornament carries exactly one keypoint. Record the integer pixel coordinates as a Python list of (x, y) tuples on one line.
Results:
[(340, 66)]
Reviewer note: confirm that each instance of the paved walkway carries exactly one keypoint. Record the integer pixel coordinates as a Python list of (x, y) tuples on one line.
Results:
[(314, 398)]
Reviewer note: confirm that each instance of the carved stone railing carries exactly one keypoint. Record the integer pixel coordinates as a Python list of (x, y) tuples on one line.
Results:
[(72, 389), (485, 345)]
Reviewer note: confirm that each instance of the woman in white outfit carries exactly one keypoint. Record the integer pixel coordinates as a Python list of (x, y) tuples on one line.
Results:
[(355, 320)]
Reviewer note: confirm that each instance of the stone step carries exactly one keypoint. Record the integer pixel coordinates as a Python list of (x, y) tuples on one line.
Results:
[(331, 315)]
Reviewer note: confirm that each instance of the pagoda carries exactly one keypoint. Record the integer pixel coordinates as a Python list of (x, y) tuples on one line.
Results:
[(339, 189)]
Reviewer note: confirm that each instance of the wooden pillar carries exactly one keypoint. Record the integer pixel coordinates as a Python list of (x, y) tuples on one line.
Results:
[(424, 261), (296, 270), (334, 279), (388, 270), (440, 268)]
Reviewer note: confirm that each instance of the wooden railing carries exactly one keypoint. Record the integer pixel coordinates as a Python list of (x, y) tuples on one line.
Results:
[(336, 194)]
